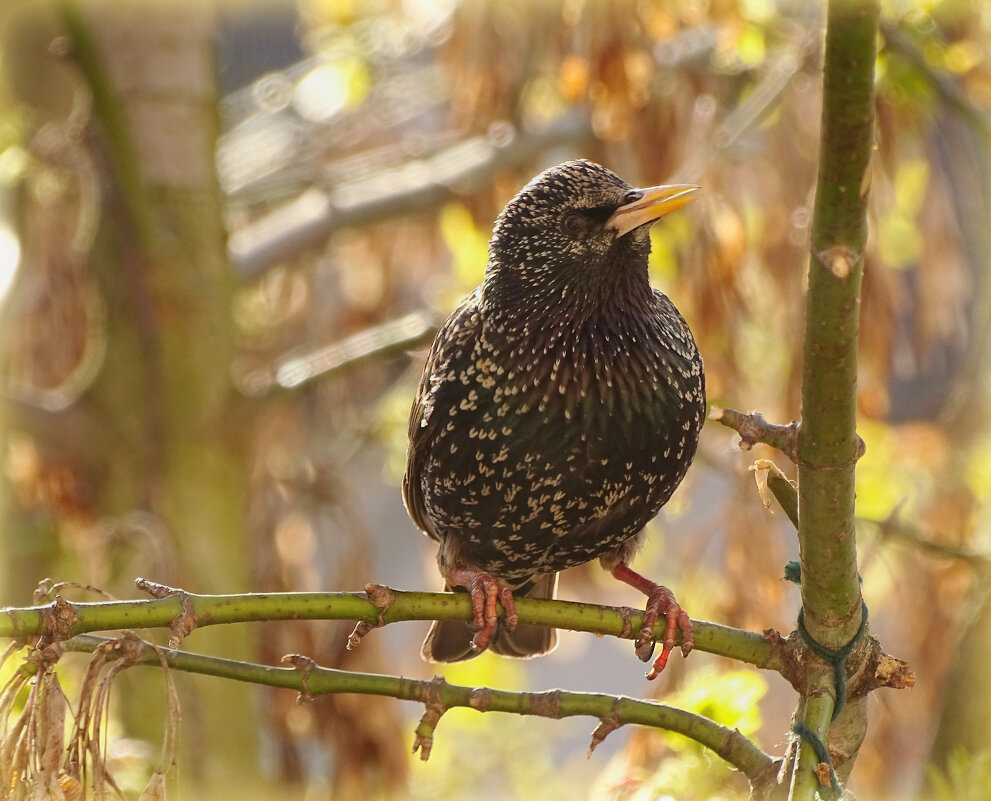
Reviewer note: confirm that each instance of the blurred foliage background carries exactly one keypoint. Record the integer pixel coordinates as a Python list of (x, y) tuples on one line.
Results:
[(228, 232)]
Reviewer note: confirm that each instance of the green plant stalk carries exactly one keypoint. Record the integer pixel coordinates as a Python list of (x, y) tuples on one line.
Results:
[(63, 619), (828, 445), (827, 440), (816, 714), (611, 710), (785, 493)]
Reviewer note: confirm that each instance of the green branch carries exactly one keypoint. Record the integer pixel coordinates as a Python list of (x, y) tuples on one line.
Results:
[(438, 696), (828, 445), (183, 612)]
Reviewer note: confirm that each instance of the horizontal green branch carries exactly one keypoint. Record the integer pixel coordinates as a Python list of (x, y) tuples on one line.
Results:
[(183, 612), (438, 696)]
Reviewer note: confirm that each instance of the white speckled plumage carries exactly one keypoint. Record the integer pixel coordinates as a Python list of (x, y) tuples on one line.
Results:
[(561, 402)]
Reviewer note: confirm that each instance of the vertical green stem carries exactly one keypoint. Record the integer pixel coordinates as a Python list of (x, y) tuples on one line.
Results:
[(828, 444), (816, 715)]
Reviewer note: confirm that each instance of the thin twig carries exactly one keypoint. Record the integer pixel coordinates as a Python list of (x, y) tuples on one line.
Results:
[(770, 477), (948, 90), (378, 342), (415, 187), (893, 527), (753, 428)]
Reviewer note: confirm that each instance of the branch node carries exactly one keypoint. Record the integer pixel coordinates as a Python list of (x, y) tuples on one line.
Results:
[(753, 428), (840, 260), (127, 648), (480, 698), (773, 636), (547, 704), (183, 624), (380, 596), (305, 665), (431, 696), (626, 614), (60, 616), (606, 726), (859, 448)]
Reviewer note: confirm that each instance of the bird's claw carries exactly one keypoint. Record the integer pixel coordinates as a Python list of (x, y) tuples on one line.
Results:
[(659, 600), (645, 646), (485, 592)]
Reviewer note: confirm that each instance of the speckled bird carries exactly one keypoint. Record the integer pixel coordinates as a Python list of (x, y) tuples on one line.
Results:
[(559, 408)]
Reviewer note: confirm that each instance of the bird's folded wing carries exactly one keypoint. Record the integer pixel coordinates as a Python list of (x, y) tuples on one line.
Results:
[(458, 334)]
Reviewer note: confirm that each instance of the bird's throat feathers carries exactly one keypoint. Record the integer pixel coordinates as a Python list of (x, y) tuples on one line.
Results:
[(552, 287)]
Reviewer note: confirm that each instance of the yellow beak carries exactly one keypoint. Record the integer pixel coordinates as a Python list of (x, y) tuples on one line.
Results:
[(654, 202)]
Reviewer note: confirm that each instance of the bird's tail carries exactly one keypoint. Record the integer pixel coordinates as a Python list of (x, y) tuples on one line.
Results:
[(450, 640)]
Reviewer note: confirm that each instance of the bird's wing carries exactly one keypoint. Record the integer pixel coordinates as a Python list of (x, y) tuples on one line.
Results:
[(455, 339)]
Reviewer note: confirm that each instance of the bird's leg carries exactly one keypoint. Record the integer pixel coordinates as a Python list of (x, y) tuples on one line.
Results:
[(485, 591), (660, 600)]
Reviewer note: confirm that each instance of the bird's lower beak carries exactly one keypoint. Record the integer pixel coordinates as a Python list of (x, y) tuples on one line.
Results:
[(654, 203)]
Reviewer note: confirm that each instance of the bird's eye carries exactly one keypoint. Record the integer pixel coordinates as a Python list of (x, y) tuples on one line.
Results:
[(632, 197), (573, 222)]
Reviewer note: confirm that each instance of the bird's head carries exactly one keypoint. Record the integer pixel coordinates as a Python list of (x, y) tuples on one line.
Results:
[(577, 226)]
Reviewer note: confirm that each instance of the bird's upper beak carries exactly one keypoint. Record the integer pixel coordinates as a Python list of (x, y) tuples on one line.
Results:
[(654, 203)]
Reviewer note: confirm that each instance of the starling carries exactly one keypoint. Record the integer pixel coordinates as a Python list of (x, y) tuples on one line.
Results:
[(559, 408)]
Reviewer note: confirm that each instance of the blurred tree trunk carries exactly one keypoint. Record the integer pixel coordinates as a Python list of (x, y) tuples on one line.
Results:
[(962, 721), (124, 441)]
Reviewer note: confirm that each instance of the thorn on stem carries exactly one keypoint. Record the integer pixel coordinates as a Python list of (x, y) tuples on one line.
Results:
[(360, 630), (606, 726)]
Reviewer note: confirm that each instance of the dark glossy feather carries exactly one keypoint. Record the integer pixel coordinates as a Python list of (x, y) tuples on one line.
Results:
[(561, 403)]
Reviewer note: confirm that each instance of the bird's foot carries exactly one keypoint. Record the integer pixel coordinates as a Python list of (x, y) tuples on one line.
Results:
[(485, 591), (660, 600)]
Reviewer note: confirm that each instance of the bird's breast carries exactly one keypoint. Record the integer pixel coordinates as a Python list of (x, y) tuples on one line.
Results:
[(559, 446)]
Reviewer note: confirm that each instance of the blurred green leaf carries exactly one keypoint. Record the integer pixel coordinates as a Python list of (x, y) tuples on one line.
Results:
[(967, 778), (730, 698)]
